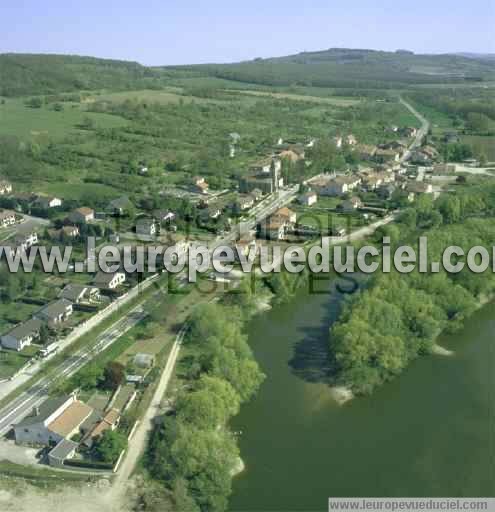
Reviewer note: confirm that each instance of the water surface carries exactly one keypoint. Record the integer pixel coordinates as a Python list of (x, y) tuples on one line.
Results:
[(428, 433)]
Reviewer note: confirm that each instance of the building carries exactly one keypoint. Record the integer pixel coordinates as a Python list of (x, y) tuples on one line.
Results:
[(244, 202), (308, 198), (146, 227), (366, 151), (350, 140), (292, 152), (25, 241), (199, 185), (82, 215), (110, 421), (246, 247), (55, 313), (5, 187), (285, 213), (266, 182), (7, 218), (336, 186), (109, 280), (256, 194), (338, 141), (65, 232), (267, 166), (273, 228), (386, 155), (120, 206), (144, 361), (22, 335), (409, 131), (386, 191), (47, 202), (444, 168), (351, 205), (163, 216), (419, 187), (55, 420), (66, 449), (78, 293)]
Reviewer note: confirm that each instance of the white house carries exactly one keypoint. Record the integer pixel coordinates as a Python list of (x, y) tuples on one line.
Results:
[(55, 420), (82, 215), (308, 199), (109, 281), (56, 312), (47, 202), (145, 227), (78, 293), (7, 218), (339, 186), (22, 335)]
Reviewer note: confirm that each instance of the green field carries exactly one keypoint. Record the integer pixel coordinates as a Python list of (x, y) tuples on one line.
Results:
[(42, 123), (336, 101), (481, 144)]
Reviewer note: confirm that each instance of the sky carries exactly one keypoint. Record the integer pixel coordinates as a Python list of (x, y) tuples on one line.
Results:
[(189, 32)]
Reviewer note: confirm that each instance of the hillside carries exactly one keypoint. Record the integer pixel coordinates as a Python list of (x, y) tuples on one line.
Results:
[(354, 68), (25, 74), (22, 74)]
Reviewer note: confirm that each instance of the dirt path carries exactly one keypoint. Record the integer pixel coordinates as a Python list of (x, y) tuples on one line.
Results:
[(138, 442)]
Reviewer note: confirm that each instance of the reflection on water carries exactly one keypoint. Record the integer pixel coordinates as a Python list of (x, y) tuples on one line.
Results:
[(428, 433)]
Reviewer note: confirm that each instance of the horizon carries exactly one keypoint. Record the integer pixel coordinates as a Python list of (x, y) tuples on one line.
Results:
[(460, 53), (185, 33)]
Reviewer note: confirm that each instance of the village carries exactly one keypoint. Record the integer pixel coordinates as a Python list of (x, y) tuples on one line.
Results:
[(51, 312)]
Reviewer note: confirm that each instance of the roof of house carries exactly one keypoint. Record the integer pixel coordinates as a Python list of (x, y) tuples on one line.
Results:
[(145, 222), (6, 214), (71, 418), (284, 212), (84, 210), (56, 308), (142, 359), (63, 449), (26, 329), (104, 278), (45, 410), (121, 203), (74, 291), (307, 195)]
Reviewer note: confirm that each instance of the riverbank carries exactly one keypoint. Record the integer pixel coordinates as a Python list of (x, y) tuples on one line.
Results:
[(299, 446)]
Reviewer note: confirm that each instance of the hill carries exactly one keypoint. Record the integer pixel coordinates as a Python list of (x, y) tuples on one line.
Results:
[(29, 74), (340, 67), (22, 74)]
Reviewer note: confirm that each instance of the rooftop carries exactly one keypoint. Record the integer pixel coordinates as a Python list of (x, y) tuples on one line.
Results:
[(71, 418), (45, 411), (26, 329)]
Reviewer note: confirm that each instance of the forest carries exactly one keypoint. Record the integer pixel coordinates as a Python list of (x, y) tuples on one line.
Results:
[(397, 317)]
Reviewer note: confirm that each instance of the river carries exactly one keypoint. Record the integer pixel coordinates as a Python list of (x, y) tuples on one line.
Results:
[(427, 433)]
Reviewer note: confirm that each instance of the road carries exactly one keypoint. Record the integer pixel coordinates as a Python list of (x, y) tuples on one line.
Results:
[(422, 132), (39, 392)]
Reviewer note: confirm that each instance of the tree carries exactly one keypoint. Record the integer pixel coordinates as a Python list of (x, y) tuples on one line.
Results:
[(478, 122), (35, 102), (113, 375), (110, 445), (44, 334)]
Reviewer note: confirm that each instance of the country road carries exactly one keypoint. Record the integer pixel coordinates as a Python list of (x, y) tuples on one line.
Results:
[(422, 132), (140, 437)]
